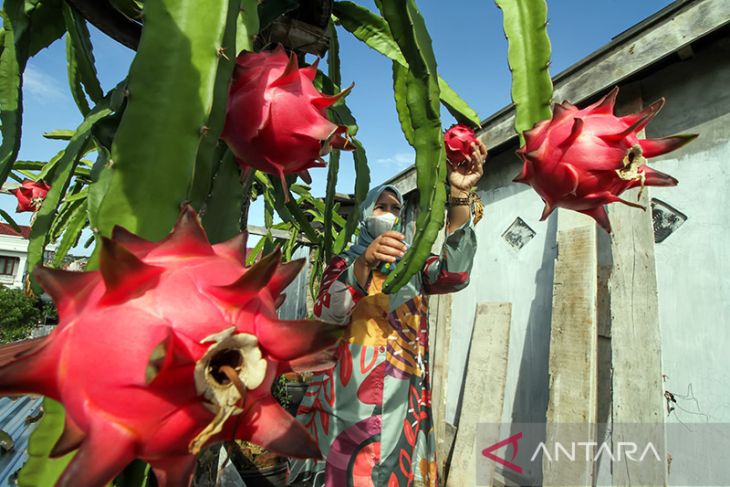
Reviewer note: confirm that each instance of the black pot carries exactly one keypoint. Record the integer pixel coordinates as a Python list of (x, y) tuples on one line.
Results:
[(295, 391), (275, 476)]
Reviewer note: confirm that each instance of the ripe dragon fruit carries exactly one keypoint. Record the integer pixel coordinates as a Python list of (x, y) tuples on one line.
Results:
[(458, 140), (276, 119), (170, 346), (584, 159), (30, 195)]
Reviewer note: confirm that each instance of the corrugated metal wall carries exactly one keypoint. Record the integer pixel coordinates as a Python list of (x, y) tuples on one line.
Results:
[(15, 415)]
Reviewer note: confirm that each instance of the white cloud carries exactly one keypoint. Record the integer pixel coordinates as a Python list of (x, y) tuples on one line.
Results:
[(41, 86), (400, 160)]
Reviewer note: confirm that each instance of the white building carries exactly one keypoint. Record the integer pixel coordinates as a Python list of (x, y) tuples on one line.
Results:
[(13, 255)]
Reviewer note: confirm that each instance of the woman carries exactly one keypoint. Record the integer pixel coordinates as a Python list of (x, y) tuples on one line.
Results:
[(371, 414)]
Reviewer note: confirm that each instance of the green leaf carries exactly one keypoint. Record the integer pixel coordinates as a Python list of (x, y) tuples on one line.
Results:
[(61, 219), (525, 25), (409, 30), (248, 24), (76, 223), (333, 64), (315, 273), (374, 31), (74, 78), (130, 8), (81, 40), (97, 190), (370, 28), (136, 474), (362, 185), (46, 24), (293, 213), (221, 218), (59, 183), (251, 257), (208, 155), (28, 165), (82, 194), (26, 174), (59, 134), (288, 211), (339, 113), (400, 90), (12, 63), (268, 207), (171, 87), (48, 168), (318, 204), (39, 469), (81, 64), (27, 28), (9, 220)]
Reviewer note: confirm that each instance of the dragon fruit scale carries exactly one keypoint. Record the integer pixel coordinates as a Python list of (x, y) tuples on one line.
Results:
[(584, 159), (30, 195), (168, 347), (276, 119)]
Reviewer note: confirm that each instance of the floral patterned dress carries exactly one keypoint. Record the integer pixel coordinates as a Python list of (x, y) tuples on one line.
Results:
[(371, 414)]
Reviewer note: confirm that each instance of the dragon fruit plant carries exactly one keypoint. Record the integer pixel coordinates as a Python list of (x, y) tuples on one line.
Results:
[(168, 347), (30, 195), (457, 141), (276, 119), (584, 159)]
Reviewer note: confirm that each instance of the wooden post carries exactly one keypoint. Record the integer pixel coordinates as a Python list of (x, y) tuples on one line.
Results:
[(440, 308), (638, 395), (486, 374), (573, 346)]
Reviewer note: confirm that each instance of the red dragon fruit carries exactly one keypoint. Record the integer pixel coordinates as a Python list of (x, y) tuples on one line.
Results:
[(170, 346), (584, 159), (458, 140), (30, 195), (276, 120)]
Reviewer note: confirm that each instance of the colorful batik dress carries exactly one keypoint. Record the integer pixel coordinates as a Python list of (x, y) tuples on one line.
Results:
[(371, 414)]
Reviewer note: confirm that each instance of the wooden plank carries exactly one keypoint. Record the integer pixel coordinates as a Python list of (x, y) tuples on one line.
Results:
[(635, 332), (675, 29), (486, 374), (573, 345), (441, 333)]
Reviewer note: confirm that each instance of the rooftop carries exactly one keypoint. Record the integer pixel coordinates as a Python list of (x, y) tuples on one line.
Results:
[(6, 229)]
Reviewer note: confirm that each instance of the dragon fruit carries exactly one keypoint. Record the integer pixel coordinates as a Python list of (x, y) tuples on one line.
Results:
[(276, 119), (584, 159), (169, 347), (458, 140), (30, 195)]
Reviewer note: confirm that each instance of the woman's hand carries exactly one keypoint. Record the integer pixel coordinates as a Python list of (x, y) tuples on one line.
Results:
[(462, 178), (387, 247)]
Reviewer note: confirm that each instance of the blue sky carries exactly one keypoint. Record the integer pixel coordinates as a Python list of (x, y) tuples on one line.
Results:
[(470, 49)]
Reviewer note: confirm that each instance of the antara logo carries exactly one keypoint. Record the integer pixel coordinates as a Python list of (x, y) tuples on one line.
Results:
[(569, 451), (512, 440)]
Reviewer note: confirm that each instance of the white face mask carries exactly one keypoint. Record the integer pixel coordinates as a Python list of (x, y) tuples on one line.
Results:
[(377, 225)]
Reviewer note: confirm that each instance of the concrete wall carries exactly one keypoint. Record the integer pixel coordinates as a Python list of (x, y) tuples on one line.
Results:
[(693, 263), (522, 277), (12, 246), (503, 273)]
